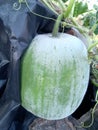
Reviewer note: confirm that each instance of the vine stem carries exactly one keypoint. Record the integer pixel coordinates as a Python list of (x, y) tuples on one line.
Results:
[(70, 9), (92, 113), (92, 46), (61, 4), (45, 17)]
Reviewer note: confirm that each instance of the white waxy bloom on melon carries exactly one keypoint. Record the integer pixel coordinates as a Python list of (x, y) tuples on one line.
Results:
[(54, 76)]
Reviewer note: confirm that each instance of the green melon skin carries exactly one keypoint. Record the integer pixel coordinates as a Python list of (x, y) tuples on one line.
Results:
[(54, 76)]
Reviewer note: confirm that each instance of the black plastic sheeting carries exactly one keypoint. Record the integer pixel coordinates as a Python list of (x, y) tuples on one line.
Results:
[(17, 29)]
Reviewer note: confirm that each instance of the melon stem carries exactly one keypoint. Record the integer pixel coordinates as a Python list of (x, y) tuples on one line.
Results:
[(56, 25), (65, 14)]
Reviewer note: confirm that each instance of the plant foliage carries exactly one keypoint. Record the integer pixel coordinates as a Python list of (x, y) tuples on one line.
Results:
[(80, 8)]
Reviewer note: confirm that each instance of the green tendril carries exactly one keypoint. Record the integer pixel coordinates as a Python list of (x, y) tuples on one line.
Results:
[(17, 6)]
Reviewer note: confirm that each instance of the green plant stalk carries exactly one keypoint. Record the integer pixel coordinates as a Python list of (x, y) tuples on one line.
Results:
[(49, 6), (92, 115), (56, 25), (61, 4), (92, 46), (96, 98), (69, 11), (81, 29), (34, 13), (52, 5)]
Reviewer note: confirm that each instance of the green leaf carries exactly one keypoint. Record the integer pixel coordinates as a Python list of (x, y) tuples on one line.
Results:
[(80, 8), (89, 20)]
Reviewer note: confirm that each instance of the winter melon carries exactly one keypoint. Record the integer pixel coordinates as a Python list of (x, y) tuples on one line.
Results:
[(54, 76)]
